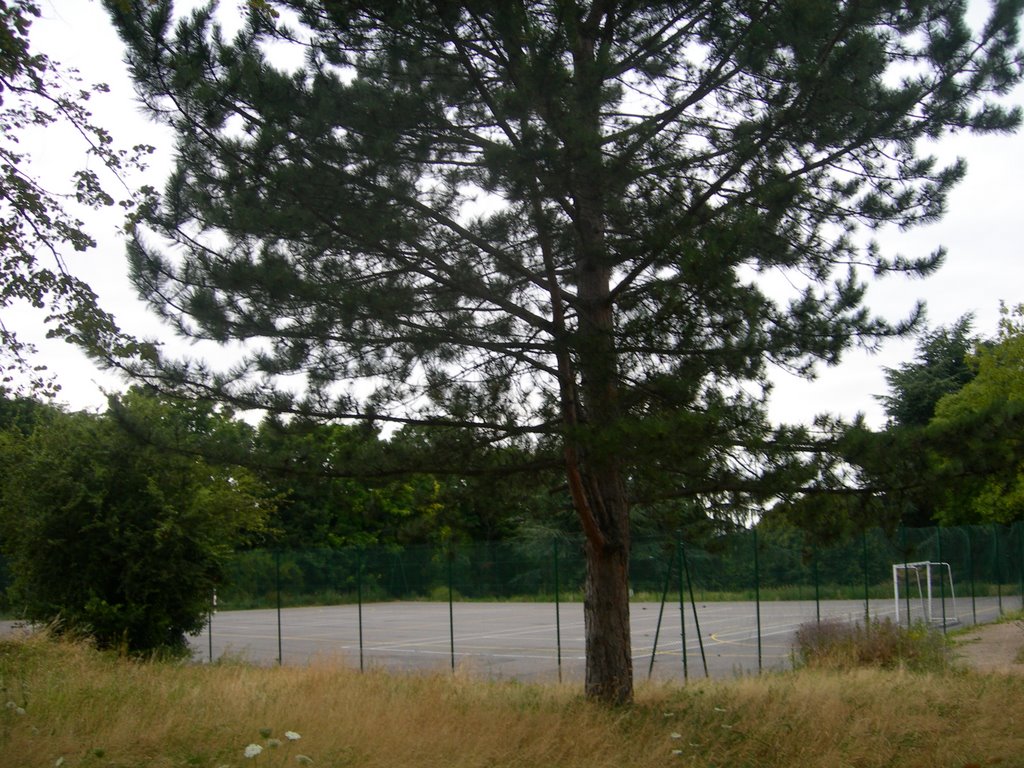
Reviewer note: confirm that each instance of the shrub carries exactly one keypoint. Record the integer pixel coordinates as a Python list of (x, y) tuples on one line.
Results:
[(109, 534), (836, 644)]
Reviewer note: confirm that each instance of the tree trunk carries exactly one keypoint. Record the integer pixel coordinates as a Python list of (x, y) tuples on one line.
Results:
[(606, 616), (594, 460), (599, 494)]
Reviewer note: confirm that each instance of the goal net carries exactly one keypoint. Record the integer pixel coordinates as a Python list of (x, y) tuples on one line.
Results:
[(924, 592)]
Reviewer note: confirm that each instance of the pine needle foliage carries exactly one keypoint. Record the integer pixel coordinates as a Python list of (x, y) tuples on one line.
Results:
[(554, 223)]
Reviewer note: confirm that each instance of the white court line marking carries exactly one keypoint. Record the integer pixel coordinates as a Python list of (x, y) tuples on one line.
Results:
[(444, 639), (745, 637), (549, 629)]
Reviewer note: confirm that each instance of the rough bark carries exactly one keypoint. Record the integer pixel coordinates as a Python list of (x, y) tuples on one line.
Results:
[(609, 675), (603, 508)]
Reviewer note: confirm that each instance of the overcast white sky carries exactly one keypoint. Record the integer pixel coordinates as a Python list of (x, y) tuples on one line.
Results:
[(982, 232)]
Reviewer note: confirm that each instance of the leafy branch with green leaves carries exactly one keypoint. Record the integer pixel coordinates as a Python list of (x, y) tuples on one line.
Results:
[(37, 222)]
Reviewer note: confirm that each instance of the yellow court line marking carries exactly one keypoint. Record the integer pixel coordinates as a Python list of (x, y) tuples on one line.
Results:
[(751, 643)]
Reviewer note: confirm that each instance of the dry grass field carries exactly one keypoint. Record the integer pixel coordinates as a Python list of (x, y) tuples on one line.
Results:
[(66, 705)]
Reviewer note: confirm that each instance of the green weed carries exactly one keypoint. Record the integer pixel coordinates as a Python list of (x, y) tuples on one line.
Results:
[(835, 644)]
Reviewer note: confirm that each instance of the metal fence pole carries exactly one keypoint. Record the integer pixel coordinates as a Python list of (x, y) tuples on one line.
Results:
[(661, 614), (359, 605), (693, 605), (942, 583), (209, 622), (558, 620), (451, 609), (277, 581), (864, 567), (1020, 564), (906, 570), (970, 572), (682, 613), (817, 585), (998, 570), (757, 597)]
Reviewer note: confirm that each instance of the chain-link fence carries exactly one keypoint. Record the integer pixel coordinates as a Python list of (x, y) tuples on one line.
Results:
[(744, 594), (769, 582), (5, 582), (746, 565)]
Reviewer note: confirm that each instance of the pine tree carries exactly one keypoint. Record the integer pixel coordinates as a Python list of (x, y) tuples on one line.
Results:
[(550, 220), (939, 368)]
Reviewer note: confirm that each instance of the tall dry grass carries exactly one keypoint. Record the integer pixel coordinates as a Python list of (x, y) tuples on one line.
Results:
[(94, 710), (837, 645)]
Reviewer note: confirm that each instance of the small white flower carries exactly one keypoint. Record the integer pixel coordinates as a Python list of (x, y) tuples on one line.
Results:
[(253, 750), (676, 736), (58, 762), (19, 710), (303, 760), (273, 743), (292, 736), (677, 751)]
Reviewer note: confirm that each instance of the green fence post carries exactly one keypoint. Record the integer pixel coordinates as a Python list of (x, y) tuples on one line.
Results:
[(998, 570), (757, 597), (864, 567), (682, 612), (451, 609), (942, 583), (558, 620), (661, 614), (1020, 564), (693, 605), (966, 531), (209, 622), (277, 581), (817, 584), (906, 570), (359, 604)]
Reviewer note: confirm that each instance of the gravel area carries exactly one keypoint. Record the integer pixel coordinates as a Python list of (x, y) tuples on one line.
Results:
[(995, 647)]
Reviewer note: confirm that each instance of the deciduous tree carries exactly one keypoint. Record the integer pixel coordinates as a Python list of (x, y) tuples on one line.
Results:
[(982, 420), (112, 536), (952, 452), (38, 226)]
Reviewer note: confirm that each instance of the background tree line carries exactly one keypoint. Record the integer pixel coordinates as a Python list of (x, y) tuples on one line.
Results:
[(121, 523), (951, 451)]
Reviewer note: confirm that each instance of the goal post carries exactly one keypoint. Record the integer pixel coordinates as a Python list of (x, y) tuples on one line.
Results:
[(933, 582)]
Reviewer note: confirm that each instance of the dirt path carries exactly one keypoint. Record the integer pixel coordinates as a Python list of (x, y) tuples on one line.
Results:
[(993, 647)]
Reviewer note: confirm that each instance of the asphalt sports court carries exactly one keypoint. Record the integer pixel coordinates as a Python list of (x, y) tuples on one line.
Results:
[(521, 640)]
